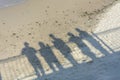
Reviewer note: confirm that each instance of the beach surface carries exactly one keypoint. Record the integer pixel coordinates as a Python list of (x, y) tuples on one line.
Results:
[(34, 20), (60, 40)]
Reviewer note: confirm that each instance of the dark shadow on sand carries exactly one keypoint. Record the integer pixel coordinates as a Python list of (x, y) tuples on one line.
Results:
[(47, 53), (81, 45), (30, 53), (92, 41), (0, 77), (63, 48)]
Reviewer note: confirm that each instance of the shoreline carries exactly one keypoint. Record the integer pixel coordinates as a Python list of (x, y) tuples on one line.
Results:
[(8, 3)]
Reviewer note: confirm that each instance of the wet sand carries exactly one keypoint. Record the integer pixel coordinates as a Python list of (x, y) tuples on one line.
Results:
[(34, 20)]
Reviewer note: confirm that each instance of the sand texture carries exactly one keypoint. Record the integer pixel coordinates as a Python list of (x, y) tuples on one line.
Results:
[(34, 20)]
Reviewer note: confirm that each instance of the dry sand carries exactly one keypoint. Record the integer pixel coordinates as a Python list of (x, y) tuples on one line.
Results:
[(34, 20)]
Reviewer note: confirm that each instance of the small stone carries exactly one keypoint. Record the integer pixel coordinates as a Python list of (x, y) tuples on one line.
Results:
[(14, 34), (29, 33)]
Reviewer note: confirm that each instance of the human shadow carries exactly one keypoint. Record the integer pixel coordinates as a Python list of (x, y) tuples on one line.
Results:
[(0, 77), (30, 53), (92, 41), (47, 53), (81, 45), (63, 48)]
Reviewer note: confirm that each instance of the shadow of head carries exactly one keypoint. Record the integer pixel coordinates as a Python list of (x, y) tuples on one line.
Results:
[(41, 44), (52, 36), (70, 34), (79, 30), (83, 33), (26, 44)]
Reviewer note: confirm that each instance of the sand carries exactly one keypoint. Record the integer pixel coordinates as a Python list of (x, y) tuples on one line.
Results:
[(33, 21)]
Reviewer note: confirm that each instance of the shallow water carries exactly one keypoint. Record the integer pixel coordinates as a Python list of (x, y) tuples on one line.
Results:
[(7, 3)]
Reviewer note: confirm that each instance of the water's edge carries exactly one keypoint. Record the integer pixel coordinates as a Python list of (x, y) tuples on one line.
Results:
[(7, 3)]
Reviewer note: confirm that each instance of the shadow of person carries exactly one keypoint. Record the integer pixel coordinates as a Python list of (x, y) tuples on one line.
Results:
[(63, 48), (0, 77), (48, 55), (92, 41), (30, 53), (81, 45)]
